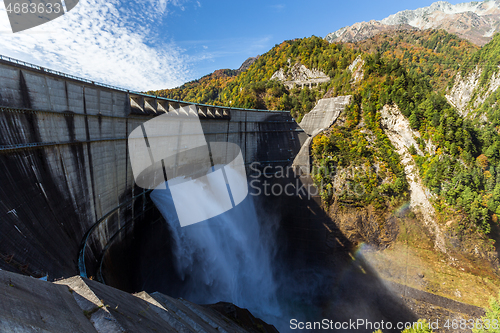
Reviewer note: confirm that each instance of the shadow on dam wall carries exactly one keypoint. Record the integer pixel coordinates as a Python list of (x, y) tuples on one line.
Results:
[(317, 277), (313, 266), (64, 166)]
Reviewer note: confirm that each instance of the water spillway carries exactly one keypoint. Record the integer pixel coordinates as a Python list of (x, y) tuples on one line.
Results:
[(69, 206), (65, 163)]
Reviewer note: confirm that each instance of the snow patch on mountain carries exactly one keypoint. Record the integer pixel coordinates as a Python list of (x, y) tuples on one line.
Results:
[(417, 17)]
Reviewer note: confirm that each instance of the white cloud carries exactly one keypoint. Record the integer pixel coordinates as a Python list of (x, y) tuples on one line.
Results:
[(278, 7), (108, 41)]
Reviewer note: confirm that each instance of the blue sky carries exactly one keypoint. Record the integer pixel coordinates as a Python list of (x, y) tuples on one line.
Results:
[(250, 28), (154, 44)]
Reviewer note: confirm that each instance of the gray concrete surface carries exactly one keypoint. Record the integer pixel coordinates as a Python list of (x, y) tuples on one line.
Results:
[(31, 305), (324, 114), (80, 305), (188, 316), (63, 154), (320, 118)]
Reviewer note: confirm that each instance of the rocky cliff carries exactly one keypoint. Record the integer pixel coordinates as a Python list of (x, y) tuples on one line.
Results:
[(363, 30), (475, 21), (467, 92), (247, 63), (299, 75)]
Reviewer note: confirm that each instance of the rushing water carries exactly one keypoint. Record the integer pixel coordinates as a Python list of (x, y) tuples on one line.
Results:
[(226, 258), (234, 257)]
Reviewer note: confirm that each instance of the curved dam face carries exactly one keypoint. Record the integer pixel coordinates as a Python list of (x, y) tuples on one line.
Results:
[(69, 204), (65, 164)]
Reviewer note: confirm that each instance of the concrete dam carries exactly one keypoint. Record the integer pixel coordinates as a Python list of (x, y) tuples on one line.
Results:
[(65, 163), (69, 206)]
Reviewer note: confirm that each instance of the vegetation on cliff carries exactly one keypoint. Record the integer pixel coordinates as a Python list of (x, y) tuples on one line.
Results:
[(465, 171), (463, 166), (487, 58), (434, 54), (410, 69), (253, 88), (490, 323)]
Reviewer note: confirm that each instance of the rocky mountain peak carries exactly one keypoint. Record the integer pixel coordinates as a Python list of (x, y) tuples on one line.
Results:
[(247, 63), (475, 21)]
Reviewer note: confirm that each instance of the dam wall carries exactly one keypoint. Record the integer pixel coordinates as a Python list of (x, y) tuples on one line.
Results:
[(66, 184)]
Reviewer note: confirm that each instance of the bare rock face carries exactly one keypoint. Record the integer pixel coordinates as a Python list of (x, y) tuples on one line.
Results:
[(300, 75), (467, 93), (398, 128), (356, 69), (247, 63), (363, 30), (475, 21)]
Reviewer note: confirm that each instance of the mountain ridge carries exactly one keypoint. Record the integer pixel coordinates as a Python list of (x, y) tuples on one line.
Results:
[(402, 147), (474, 21)]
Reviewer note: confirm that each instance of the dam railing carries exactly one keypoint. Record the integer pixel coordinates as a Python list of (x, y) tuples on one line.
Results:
[(132, 92), (60, 118), (51, 71)]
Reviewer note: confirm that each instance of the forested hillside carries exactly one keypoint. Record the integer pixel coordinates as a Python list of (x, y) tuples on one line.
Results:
[(254, 89), (463, 168), (435, 54), (432, 53), (409, 69)]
